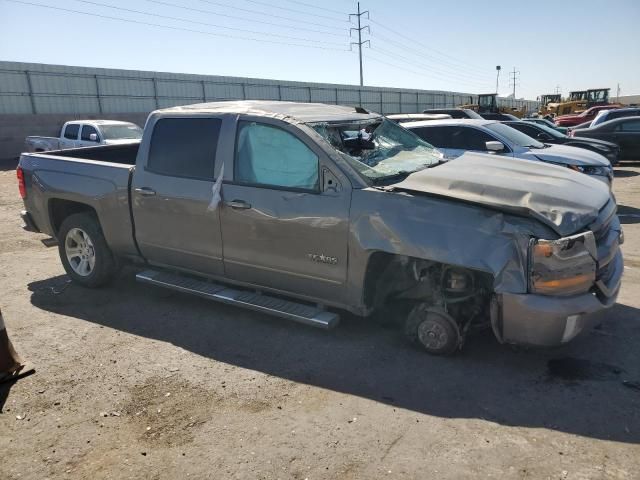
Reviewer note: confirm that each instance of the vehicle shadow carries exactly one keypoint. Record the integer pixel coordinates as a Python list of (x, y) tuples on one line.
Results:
[(628, 215), (485, 381), (8, 164), (4, 394), (618, 173)]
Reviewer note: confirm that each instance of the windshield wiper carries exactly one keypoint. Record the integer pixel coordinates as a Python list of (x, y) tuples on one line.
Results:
[(389, 178)]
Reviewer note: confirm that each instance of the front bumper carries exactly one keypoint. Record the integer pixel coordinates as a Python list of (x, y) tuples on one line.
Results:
[(546, 321)]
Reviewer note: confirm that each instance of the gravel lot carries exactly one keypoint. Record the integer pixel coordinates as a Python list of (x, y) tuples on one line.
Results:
[(137, 382)]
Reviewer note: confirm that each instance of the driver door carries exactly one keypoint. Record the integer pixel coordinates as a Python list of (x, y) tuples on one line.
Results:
[(285, 216)]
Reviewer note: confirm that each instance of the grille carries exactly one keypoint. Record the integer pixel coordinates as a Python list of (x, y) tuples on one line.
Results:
[(606, 230)]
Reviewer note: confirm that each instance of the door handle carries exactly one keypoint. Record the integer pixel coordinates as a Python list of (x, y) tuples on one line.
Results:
[(238, 204), (145, 191)]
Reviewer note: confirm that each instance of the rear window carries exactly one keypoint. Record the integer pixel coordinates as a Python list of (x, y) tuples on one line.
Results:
[(71, 132), (184, 147)]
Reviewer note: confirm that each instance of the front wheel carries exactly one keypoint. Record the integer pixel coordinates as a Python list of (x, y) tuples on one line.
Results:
[(84, 252), (433, 330)]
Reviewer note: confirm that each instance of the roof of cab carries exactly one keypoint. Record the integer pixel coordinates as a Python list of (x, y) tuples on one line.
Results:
[(452, 121), (291, 111), (102, 122)]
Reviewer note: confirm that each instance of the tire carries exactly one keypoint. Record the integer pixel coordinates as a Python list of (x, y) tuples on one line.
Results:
[(84, 252), (432, 330)]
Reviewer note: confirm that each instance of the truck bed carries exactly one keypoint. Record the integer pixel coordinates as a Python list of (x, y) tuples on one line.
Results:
[(96, 177), (124, 154)]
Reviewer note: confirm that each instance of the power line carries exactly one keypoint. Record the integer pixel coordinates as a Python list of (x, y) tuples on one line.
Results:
[(315, 6), (258, 12), (422, 74), (444, 76), (412, 40), (266, 4), (196, 22), (139, 22), (441, 64), (213, 12), (394, 65)]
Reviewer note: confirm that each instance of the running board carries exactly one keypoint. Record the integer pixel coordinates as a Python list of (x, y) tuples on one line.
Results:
[(298, 312)]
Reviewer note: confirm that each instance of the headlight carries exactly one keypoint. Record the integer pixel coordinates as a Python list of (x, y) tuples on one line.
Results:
[(590, 170), (562, 267)]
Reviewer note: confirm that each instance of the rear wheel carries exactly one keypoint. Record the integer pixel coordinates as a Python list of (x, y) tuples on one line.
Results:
[(432, 330), (84, 252)]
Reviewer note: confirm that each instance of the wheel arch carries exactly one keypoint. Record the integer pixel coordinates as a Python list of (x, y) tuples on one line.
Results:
[(60, 209)]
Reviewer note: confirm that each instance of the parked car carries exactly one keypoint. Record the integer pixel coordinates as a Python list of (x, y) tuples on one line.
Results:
[(416, 117), (286, 208), (455, 137), (606, 115), (625, 132), (86, 133), (455, 112), (578, 127), (576, 119), (500, 117), (548, 123), (548, 135)]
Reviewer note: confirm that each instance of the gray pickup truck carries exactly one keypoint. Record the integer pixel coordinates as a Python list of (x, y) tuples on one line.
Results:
[(303, 210)]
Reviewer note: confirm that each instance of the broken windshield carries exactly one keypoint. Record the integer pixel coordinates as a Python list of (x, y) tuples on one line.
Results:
[(380, 149)]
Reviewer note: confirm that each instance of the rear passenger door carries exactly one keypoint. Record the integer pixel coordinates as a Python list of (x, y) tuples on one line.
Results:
[(171, 193), (628, 137), (285, 214), (70, 136)]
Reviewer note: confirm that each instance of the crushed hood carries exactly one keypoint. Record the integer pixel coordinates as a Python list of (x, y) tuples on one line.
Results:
[(567, 155), (565, 200)]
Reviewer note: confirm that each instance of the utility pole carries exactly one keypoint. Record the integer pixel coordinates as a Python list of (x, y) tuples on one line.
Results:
[(558, 89), (618, 93), (514, 82), (360, 42), (498, 68)]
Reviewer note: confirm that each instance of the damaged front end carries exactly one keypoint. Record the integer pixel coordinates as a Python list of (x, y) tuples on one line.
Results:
[(439, 304)]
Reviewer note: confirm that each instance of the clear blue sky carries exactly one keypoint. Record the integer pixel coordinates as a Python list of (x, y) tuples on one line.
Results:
[(450, 45)]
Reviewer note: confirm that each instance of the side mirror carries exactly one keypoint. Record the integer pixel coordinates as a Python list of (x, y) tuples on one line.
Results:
[(93, 137), (494, 146)]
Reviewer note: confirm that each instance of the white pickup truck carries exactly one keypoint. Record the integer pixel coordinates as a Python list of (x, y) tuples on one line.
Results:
[(86, 133)]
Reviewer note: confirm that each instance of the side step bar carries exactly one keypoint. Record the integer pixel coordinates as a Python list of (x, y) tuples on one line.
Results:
[(309, 315)]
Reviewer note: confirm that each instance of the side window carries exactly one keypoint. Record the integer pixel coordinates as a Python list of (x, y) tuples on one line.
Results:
[(87, 130), (271, 156), (526, 129), (184, 147), (71, 132), (471, 139), (432, 135), (630, 126)]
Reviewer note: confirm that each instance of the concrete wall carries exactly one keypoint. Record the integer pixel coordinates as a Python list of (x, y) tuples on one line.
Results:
[(15, 128), (627, 99)]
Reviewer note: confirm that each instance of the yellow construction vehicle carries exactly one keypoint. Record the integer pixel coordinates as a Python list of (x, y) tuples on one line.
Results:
[(546, 100), (580, 100), (488, 103)]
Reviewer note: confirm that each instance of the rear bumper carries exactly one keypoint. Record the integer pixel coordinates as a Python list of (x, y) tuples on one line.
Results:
[(545, 321), (29, 224)]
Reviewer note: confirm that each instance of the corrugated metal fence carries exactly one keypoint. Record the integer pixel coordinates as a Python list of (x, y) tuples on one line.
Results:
[(43, 89)]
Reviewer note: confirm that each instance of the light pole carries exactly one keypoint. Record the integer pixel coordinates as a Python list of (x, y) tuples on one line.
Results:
[(498, 68)]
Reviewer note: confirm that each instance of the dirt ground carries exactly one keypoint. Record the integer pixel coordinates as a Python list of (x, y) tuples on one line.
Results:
[(137, 382)]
